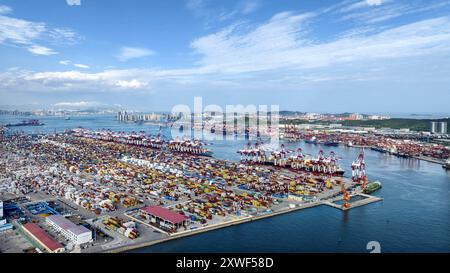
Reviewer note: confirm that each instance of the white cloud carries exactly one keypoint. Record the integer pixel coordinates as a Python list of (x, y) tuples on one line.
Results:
[(241, 54), (194, 4), (127, 53), (375, 15), (250, 6), (65, 62), (77, 104), (30, 35), (61, 36), (375, 12), (41, 50), (69, 62), (73, 76), (82, 66), (17, 31), (5, 9), (73, 2), (216, 14), (133, 84), (282, 42), (374, 2)]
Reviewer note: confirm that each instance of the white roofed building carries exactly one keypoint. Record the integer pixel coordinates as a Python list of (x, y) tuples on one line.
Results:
[(78, 235)]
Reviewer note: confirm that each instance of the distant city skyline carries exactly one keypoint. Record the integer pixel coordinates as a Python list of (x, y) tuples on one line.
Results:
[(359, 56)]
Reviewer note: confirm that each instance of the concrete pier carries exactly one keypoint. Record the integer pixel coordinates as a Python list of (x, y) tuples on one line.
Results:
[(367, 200)]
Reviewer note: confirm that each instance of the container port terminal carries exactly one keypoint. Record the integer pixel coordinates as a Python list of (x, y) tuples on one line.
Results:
[(105, 191), (88, 190), (402, 143)]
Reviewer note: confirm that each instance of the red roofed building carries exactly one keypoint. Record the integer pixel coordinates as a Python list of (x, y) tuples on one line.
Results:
[(164, 218), (43, 238)]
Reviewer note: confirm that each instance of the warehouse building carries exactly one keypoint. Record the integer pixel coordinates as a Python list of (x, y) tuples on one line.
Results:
[(164, 218), (43, 238), (78, 235)]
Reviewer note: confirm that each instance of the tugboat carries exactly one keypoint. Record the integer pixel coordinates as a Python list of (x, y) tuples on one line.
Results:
[(31, 122), (312, 140), (372, 187), (331, 143)]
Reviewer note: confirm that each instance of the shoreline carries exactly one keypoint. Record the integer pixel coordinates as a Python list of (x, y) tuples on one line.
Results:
[(429, 159), (213, 227)]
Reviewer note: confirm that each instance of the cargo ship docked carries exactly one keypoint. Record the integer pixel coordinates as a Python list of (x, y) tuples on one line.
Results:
[(31, 122), (312, 140), (292, 159), (188, 146)]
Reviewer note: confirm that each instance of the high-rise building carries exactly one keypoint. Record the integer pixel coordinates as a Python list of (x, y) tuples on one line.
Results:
[(443, 129), (439, 127), (434, 126)]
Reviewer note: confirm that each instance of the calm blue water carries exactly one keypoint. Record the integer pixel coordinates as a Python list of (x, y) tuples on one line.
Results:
[(414, 216)]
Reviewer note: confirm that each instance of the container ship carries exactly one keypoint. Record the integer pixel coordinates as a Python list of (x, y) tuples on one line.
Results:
[(189, 146), (253, 155), (31, 122), (136, 139), (292, 159)]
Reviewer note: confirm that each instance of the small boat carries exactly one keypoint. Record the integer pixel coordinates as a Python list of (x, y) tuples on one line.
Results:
[(312, 140), (67, 118), (207, 153), (331, 143), (339, 172), (447, 164), (372, 187)]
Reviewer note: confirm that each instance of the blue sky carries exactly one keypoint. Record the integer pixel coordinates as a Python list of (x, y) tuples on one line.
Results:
[(309, 55)]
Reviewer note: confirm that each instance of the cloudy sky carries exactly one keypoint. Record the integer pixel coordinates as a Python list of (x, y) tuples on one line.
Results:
[(308, 55)]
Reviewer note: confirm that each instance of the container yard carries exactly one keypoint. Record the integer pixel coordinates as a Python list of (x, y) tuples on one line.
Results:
[(140, 193)]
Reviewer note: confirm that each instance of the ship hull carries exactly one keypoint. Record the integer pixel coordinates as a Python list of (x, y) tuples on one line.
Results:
[(336, 173), (331, 144), (372, 187), (23, 125)]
